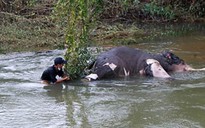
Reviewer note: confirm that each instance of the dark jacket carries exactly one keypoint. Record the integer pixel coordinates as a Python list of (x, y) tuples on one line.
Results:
[(51, 73)]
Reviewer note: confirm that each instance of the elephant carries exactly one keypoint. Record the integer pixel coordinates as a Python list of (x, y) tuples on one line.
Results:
[(126, 61)]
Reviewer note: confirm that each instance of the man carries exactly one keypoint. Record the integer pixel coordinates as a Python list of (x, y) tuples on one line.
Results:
[(49, 75)]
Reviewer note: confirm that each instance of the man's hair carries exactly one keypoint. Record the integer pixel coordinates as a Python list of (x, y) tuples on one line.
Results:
[(59, 60)]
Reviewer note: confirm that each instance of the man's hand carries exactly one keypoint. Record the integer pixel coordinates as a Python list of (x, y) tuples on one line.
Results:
[(66, 78), (63, 79)]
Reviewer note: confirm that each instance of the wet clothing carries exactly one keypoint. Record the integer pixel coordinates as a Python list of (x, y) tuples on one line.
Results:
[(51, 73)]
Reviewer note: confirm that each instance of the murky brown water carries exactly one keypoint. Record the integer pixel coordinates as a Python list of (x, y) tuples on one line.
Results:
[(122, 103)]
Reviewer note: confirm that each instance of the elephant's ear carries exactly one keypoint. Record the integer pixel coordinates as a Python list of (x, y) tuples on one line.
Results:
[(155, 69)]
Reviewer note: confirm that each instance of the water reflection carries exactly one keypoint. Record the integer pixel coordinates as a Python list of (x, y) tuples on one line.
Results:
[(149, 103), (56, 92)]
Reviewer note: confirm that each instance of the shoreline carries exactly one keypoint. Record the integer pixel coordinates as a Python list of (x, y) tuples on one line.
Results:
[(41, 34)]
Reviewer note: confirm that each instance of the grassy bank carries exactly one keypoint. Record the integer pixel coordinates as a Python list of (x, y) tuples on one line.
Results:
[(40, 34), (21, 34), (29, 27)]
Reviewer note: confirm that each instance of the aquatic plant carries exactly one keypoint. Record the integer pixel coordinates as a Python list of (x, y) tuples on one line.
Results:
[(80, 17)]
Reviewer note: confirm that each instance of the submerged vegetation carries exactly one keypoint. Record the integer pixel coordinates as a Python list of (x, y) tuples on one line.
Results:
[(33, 25)]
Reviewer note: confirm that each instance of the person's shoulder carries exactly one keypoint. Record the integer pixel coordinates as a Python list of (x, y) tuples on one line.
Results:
[(51, 68)]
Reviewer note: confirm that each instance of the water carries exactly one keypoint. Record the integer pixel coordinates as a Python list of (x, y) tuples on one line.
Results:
[(121, 103)]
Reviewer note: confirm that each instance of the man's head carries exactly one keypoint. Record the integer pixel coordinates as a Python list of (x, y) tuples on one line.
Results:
[(59, 60)]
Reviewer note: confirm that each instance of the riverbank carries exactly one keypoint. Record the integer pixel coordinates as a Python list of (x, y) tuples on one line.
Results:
[(21, 34), (33, 29), (41, 34)]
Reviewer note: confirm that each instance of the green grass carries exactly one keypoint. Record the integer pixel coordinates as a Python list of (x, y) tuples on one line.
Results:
[(30, 35)]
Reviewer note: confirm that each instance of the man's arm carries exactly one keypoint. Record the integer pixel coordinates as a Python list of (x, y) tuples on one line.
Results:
[(64, 78)]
